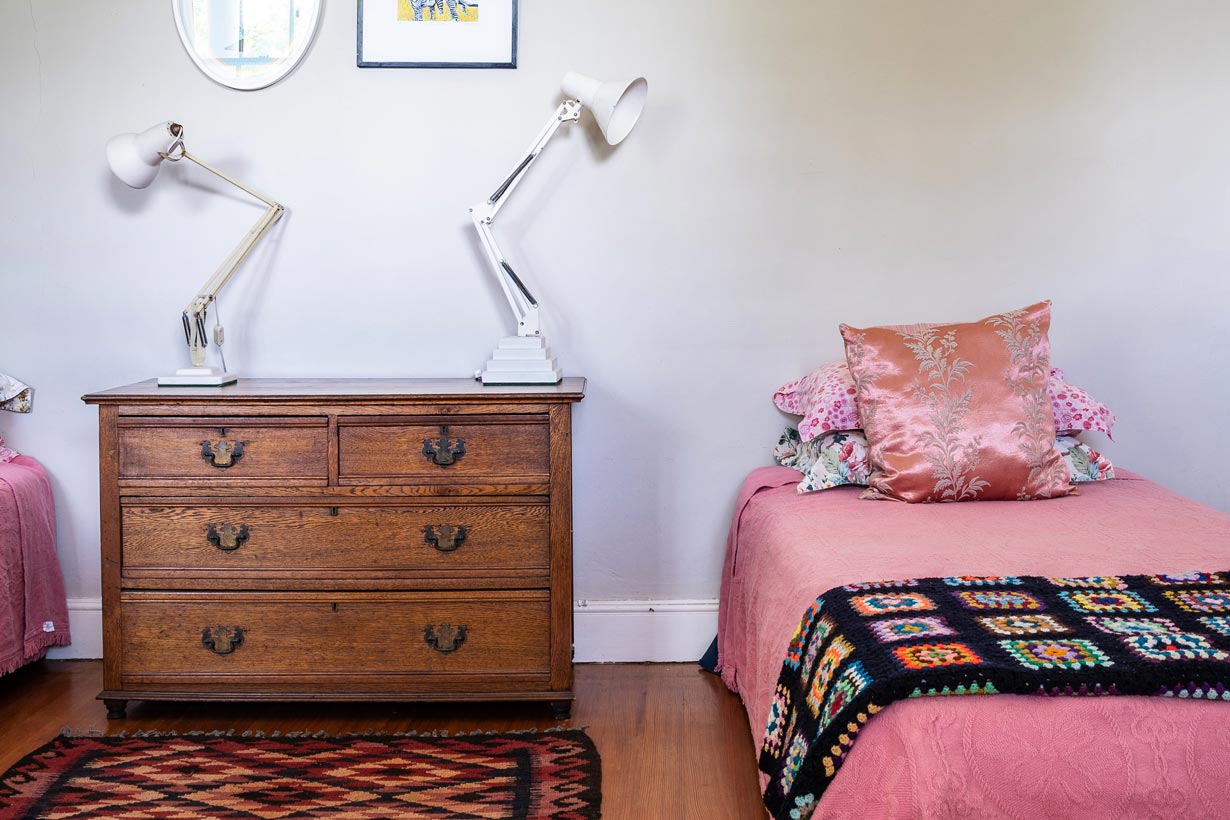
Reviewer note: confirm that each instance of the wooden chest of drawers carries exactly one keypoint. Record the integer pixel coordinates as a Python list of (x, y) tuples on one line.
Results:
[(337, 540)]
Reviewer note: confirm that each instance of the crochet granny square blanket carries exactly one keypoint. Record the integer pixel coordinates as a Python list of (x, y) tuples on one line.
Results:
[(863, 646)]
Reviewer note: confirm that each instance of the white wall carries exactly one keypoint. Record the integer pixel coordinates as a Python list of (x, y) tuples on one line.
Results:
[(801, 163)]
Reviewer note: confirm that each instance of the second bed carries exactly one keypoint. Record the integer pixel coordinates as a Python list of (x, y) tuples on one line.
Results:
[(1004, 756)]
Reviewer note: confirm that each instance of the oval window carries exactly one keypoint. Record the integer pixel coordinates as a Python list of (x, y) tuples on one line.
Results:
[(246, 44)]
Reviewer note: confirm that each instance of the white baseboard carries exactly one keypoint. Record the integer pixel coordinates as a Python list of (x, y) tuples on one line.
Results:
[(606, 631), (656, 631), (85, 622)]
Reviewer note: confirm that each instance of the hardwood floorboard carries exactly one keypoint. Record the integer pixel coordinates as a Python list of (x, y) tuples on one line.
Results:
[(674, 741)]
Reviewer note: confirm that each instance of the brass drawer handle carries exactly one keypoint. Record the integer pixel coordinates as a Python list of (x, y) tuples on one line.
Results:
[(445, 537), (227, 537), (444, 451), (222, 453), (222, 640), (445, 638)]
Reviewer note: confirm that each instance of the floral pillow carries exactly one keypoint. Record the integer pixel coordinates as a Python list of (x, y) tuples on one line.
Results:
[(959, 412), (15, 396), (833, 460), (825, 399), (1084, 462), (838, 459), (7, 455)]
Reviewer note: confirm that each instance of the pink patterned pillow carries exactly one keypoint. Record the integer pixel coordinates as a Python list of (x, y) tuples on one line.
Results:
[(6, 454), (825, 399), (1076, 410)]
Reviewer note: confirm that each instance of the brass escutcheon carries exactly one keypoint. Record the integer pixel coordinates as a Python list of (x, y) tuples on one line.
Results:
[(222, 453), (444, 537), (222, 640), (445, 638)]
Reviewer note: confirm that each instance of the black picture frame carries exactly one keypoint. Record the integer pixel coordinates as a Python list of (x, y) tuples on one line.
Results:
[(361, 63)]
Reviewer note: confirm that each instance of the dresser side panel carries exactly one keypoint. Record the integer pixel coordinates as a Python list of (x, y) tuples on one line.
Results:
[(561, 546)]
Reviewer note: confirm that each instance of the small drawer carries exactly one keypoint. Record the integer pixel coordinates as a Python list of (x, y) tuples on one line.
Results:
[(224, 448), (423, 449), (310, 635), (231, 537)]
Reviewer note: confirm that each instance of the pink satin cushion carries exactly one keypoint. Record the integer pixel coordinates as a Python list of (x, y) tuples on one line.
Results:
[(959, 412), (825, 400)]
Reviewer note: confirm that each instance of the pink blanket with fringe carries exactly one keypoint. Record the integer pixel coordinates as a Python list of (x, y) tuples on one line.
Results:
[(1002, 756), (33, 610)]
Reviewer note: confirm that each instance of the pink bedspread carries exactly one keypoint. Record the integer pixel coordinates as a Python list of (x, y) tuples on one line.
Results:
[(33, 611), (1003, 756)]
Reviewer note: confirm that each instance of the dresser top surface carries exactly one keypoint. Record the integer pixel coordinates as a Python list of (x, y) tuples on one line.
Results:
[(367, 390)]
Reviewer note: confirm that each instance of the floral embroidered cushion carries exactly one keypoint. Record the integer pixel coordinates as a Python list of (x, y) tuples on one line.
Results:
[(825, 400), (840, 458), (959, 412), (6, 454)]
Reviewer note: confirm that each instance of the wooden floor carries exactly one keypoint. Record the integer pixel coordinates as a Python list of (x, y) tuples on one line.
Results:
[(674, 741)]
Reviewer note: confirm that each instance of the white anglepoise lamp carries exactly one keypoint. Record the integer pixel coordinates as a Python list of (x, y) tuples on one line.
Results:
[(135, 159), (525, 358)]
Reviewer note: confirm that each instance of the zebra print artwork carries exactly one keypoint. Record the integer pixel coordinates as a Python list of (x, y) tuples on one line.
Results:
[(434, 10), (424, 34)]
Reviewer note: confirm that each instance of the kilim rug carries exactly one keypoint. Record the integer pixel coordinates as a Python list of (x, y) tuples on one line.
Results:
[(518, 776)]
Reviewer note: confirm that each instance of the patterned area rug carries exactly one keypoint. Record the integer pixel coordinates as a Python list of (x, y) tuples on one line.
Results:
[(530, 776)]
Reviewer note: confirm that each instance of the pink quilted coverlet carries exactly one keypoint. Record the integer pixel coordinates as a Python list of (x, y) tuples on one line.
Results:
[(33, 611), (1003, 756)]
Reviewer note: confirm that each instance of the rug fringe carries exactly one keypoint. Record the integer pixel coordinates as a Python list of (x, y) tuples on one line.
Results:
[(72, 732)]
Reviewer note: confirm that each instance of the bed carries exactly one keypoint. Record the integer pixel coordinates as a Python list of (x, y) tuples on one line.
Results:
[(1006, 756), (33, 609)]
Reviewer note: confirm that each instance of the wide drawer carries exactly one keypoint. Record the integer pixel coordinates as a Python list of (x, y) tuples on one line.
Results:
[(423, 449), (222, 637), (224, 448), (239, 538)]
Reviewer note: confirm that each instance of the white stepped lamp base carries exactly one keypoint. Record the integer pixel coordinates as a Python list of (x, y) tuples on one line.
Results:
[(522, 360), (198, 377)]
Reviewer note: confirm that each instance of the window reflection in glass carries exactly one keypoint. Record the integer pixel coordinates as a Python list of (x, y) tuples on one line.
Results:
[(247, 43)]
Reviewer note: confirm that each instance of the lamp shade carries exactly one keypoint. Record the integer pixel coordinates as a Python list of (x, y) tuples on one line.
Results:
[(615, 105), (136, 158)]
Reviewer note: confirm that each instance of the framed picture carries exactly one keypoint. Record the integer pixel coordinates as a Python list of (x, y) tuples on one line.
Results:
[(437, 34)]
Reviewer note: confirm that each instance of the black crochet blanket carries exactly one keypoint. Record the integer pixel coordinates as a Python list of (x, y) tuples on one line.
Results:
[(863, 646)]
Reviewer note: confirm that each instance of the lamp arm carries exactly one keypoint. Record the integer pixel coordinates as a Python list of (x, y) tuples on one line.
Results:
[(194, 313), (524, 305), (568, 111), (185, 155)]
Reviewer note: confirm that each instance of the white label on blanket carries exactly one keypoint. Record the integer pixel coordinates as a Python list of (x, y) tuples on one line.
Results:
[(49, 626)]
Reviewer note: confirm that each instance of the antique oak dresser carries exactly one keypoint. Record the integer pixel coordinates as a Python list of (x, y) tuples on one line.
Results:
[(319, 539)]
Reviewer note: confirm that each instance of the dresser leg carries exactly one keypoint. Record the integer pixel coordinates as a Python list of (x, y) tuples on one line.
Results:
[(561, 709), (116, 709)]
